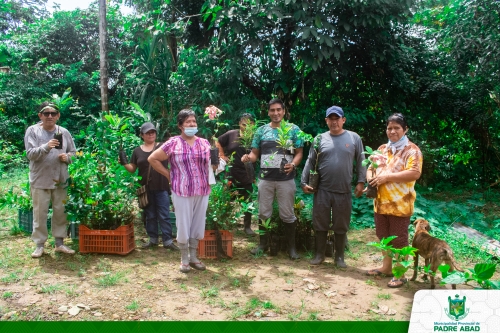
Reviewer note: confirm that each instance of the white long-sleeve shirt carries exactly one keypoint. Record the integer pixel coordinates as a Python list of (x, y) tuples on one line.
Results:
[(46, 169)]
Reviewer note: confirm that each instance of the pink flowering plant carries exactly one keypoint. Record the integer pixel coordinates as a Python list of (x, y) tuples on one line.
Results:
[(212, 114)]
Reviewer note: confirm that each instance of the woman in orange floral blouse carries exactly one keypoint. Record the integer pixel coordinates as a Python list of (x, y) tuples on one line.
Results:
[(396, 194)]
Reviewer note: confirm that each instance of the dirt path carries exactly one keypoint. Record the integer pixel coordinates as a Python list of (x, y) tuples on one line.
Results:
[(146, 285)]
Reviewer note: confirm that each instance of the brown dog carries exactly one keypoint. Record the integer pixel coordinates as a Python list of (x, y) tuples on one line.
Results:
[(433, 250)]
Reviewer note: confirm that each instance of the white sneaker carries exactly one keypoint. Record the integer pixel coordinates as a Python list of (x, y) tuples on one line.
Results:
[(64, 249), (37, 253)]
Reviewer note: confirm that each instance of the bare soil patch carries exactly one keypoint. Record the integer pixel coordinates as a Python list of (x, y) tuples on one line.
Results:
[(147, 285)]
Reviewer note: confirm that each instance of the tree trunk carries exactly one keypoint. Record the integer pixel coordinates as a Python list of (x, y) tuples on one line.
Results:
[(103, 55)]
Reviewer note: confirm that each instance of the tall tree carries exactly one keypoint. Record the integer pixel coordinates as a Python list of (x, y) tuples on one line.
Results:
[(15, 14), (281, 47), (103, 56)]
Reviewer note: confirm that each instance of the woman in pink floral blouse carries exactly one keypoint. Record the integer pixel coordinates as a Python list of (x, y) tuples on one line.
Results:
[(189, 159)]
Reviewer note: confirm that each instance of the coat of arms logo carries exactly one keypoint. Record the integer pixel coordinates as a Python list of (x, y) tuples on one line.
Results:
[(456, 308)]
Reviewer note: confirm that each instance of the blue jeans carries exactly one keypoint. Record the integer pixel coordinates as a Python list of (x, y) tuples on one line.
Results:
[(158, 212)]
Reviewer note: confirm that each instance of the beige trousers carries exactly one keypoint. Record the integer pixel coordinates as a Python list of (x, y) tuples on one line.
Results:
[(41, 200)]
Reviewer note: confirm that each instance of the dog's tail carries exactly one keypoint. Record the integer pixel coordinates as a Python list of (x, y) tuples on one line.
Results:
[(452, 260)]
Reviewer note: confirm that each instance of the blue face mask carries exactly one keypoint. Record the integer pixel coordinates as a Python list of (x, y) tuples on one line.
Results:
[(190, 131)]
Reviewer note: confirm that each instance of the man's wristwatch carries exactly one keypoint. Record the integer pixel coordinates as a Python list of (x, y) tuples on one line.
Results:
[(294, 166)]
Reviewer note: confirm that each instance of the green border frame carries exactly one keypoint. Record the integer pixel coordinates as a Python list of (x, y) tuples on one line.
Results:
[(205, 326)]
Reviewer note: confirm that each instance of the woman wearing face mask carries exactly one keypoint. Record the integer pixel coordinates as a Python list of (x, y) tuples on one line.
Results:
[(395, 191), (189, 158)]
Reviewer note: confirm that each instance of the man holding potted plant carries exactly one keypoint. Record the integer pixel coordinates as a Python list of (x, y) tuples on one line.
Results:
[(273, 181), (337, 149), (49, 149)]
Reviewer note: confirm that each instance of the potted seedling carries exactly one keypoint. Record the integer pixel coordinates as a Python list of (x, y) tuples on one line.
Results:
[(284, 141), (373, 161), (245, 141), (316, 144), (269, 229), (313, 173), (213, 113)]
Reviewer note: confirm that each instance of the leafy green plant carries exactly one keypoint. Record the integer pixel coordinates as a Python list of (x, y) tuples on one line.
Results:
[(18, 199), (247, 134), (100, 190), (269, 227), (481, 274), (223, 212), (316, 145), (399, 256), (63, 102), (10, 157), (374, 159), (362, 213), (284, 138)]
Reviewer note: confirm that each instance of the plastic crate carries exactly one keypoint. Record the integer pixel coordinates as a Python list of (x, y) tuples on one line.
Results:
[(118, 241), (25, 220), (207, 247)]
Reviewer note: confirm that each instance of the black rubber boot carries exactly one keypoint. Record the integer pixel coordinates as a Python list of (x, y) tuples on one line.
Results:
[(290, 236), (320, 247), (247, 220), (339, 250), (263, 241)]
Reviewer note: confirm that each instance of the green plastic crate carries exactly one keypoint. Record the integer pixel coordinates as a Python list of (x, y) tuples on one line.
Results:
[(26, 220)]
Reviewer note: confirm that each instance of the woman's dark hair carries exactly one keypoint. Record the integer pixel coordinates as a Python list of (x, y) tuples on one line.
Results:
[(183, 115), (46, 105), (276, 101), (398, 118), (248, 116)]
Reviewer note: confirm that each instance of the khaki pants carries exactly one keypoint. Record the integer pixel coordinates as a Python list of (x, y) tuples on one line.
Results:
[(41, 200), (285, 194)]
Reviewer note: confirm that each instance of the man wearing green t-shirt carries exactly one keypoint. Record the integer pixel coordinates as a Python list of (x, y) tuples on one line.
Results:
[(273, 182)]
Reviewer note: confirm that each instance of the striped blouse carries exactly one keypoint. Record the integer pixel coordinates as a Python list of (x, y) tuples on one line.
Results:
[(188, 166)]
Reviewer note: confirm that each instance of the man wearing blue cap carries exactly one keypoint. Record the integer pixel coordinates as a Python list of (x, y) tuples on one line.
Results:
[(337, 150)]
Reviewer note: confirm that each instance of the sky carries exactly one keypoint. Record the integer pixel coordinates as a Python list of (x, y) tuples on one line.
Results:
[(82, 4)]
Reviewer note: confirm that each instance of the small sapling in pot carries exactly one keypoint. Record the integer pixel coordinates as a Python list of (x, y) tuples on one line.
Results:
[(284, 142), (374, 160), (313, 173)]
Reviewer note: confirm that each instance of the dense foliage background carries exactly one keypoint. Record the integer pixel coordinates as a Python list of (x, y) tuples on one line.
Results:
[(435, 61)]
